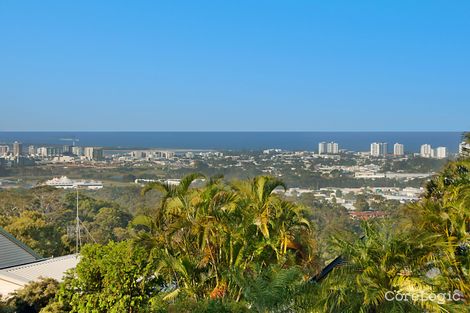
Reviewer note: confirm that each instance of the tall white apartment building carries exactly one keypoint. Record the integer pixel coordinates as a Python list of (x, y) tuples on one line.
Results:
[(49, 151), (78, 151), (384, 148), (93, 153), (398, 149), (31, 150), (332, 148), (378, 148), (328, 148), (17, 148), (426, 151), (4, 149), (375, 149), (440, 153)]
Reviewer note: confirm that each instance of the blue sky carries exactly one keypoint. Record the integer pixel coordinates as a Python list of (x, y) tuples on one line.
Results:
[(235, 65)]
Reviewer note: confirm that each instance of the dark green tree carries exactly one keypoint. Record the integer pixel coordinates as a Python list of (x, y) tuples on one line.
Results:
[(33, 297), (117, 277), (361, 203)]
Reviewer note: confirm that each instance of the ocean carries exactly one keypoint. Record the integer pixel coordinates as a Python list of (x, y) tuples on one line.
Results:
[(355, 141)]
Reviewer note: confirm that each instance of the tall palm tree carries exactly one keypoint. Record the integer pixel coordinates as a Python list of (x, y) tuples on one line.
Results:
[(167, 215), (466, 137), (383, 263), (445, 212), (209, 236), (258, 195), (466, 148)]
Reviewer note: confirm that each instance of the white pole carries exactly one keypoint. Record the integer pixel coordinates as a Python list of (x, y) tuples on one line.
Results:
[(77, 230)]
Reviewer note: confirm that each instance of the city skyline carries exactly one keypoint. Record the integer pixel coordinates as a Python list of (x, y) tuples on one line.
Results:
[(234, 156), (353, 141), (324, 148), (196, 66)]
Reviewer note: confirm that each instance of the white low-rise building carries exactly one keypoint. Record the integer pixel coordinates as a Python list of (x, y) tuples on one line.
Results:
[(66, 183), (369, 175)]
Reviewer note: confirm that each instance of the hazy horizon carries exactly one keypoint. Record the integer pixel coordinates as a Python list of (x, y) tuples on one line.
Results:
[(354, 141)]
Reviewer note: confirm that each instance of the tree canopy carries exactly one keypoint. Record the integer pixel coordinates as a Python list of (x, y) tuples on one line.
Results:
[(240, 246)]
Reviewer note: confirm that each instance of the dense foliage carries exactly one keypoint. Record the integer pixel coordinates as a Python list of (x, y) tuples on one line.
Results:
[(199, 244), (240, 247), (44, 219), (425, 252), (32, 298)]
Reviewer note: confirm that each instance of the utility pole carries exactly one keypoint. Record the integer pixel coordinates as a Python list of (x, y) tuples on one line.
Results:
[(77, 230)]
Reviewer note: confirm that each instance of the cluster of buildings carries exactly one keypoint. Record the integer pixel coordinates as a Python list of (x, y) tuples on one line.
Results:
[(12, 155), (328, 148), (17, 149), (68, 153), (152, 154), (379, 149), (427, 151), (16, 153), (347, 197), (88, 153), (174, 159)]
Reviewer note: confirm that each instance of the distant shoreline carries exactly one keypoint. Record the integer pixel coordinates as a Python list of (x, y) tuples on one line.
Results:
[(235, 141)]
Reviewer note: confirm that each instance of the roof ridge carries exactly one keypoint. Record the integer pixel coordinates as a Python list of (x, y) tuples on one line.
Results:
[(19, 243), (35, 263)]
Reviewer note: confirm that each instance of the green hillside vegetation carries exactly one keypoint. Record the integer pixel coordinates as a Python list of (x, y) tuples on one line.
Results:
[(237, 246), (44, 219)]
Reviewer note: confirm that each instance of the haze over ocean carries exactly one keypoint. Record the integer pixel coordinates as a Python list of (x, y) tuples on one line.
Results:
[(356, 141)]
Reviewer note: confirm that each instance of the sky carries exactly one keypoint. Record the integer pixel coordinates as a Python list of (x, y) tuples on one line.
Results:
[(256, 65)]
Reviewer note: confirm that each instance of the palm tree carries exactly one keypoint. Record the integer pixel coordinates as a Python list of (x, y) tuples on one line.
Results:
[(174, 196), (466, 137), (258, 195), (445, 212), (209, 236), (466, 148), (167, 218), (427, 250), (384, 261)]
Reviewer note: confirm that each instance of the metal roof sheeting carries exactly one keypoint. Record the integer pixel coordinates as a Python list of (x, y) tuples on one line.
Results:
[(16, 277), (14, 252), (52, 268)]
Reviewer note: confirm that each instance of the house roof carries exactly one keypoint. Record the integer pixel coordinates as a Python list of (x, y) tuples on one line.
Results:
[(338, 261), (13, 252), (52, 268), (16, 277), (20, 265)]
